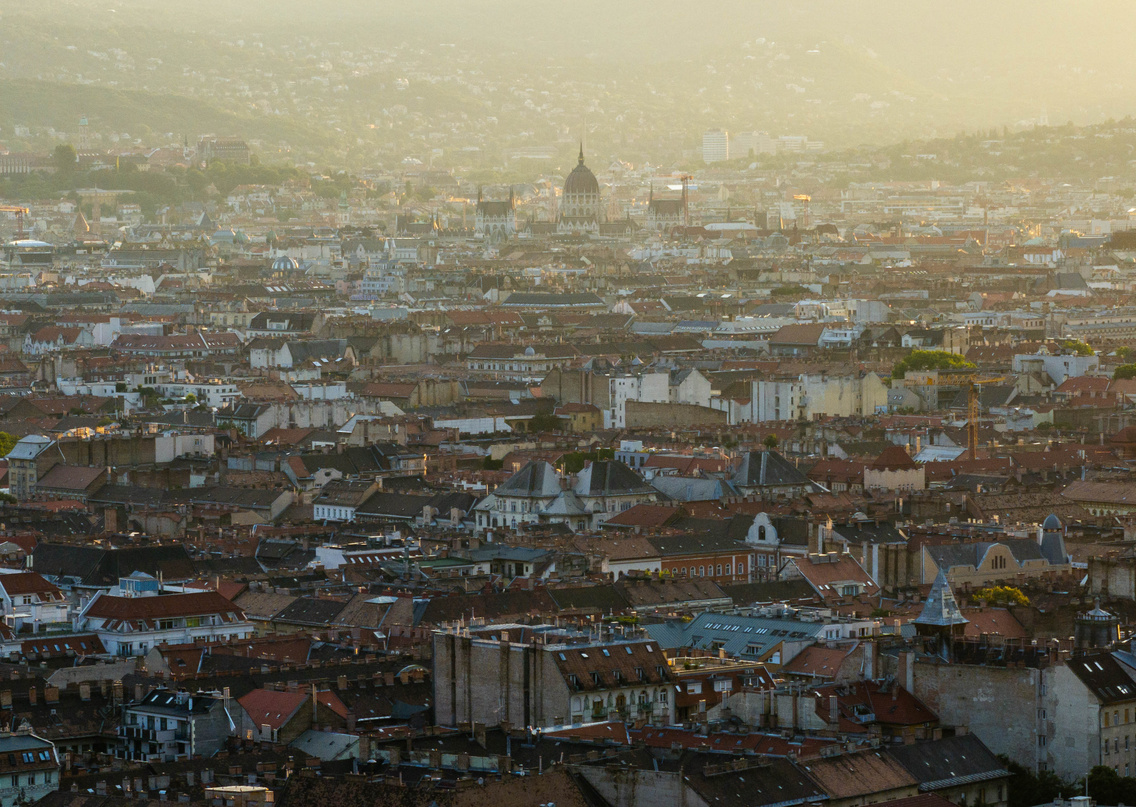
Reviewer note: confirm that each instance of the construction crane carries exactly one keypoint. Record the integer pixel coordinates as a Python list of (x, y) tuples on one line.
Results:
[(686, 199), (961, 380), (807, 199), (20, 213)]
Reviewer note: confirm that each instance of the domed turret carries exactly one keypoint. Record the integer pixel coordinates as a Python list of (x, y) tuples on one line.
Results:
[(1095, 629), (285, 264)]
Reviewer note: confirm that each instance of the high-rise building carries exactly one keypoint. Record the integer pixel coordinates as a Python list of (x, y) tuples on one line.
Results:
[(750, 144), (715, 146)]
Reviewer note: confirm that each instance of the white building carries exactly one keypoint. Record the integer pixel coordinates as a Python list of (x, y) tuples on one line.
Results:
[(133, 625), (213, 394), (1058, 367), (715, 146), (30, 602)]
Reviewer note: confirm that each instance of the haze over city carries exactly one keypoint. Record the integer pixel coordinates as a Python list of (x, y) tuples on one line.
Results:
[(567, 404)]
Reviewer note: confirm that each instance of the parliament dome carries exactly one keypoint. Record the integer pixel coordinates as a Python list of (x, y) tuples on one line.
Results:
[(581, 207), (581, 180)]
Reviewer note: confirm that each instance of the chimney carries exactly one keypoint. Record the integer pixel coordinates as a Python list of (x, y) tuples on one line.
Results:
[(833, 710), (32, 696), (907, 669)]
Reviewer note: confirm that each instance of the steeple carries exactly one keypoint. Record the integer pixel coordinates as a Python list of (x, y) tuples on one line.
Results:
[(581, 152)]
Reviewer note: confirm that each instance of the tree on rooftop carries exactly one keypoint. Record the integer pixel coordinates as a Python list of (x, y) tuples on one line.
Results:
[(770, 441), (1078, 347), (7, 443), (1124, 371), (918, 360), (1002, 595)]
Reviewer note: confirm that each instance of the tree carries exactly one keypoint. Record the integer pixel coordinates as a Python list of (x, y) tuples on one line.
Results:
[(1027, 789), (1124, 352), (1002, 595), (1106, 786), (918, 360), (7, 443), (544, 422), (1078, 347), (1124, 371), (65, 158), (770, 441)]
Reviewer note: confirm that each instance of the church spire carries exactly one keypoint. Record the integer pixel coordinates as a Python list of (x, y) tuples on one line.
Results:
[(581, 152)]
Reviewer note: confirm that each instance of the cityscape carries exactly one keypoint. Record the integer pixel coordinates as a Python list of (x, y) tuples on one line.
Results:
[(488, 404)]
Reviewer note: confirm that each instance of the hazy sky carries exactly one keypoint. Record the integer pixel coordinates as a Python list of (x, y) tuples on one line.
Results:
[(848, 72)]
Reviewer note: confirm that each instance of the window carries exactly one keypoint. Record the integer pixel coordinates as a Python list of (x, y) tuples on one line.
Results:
[(693, 687), (719, 569), (701, 571), (724, 685)]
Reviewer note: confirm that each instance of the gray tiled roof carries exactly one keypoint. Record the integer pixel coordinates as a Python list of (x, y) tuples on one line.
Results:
[(742, 636), (941, 609), (536, 479), (610, 478), (768, 469)]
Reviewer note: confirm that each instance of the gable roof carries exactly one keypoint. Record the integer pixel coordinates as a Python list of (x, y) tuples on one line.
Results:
[(141, 610), (949, 762), (266, 707), (1105, 677), (768, 469), (893, 458), (610, 478), (536, 479)]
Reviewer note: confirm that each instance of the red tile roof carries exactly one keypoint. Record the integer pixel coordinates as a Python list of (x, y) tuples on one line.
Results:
[(266, 707), (29, 583), (130, 609)]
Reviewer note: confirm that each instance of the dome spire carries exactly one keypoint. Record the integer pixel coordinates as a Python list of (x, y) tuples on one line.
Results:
[(581, 152)]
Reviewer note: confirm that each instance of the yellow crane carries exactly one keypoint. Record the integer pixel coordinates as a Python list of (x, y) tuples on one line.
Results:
[(807, 199), (967, 381), (20, 212)]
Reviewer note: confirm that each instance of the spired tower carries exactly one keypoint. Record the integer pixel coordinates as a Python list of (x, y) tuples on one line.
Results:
[(941, 617), (581, 208)]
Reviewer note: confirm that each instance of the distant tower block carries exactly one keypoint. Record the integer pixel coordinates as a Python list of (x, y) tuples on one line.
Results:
[(84, 139)]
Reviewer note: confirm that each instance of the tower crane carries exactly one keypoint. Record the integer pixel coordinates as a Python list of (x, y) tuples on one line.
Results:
[(20, 213), (807, 199), (971, 384)]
